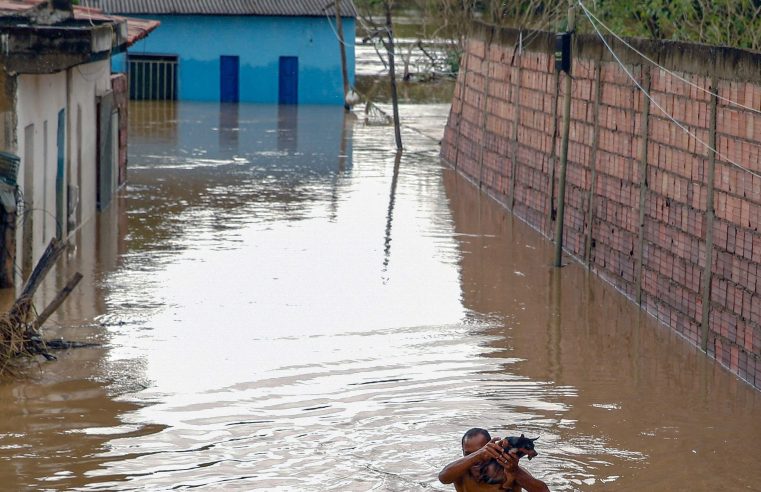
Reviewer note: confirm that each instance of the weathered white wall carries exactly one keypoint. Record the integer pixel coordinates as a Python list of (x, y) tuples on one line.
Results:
[(87, 82), (39, 99)]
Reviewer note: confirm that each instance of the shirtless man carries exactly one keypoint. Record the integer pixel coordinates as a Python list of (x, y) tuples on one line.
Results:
[(478, 447)]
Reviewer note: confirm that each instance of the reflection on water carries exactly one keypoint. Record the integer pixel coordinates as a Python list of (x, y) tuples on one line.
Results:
[(287, 305), (229, 123), (156, 121), (648, 411), (287, 127)]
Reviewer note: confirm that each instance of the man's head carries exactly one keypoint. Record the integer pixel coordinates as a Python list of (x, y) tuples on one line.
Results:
[(473, 440), (492, 472)]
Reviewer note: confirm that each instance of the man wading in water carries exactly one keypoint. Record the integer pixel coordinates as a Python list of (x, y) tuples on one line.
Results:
[(477, 448)]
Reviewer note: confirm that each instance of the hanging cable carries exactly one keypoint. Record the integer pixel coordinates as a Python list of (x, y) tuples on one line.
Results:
[(676, 122), (653, 62), (89, 12), (335, 32)]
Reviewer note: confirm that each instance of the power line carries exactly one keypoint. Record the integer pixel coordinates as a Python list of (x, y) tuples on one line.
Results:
[(330, 23), (673, 74), (678, 123)]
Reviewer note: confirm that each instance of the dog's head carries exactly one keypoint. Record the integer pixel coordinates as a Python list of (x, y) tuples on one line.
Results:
[(522, 446)]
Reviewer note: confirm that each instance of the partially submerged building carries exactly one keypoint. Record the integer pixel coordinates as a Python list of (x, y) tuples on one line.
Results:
[(63, 114), (284, 51)]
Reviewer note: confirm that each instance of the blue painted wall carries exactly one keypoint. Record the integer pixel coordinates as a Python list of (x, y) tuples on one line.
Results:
[(259, 42)]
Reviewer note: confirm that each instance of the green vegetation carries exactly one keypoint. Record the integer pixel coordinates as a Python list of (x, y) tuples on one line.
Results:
[(733, 23)]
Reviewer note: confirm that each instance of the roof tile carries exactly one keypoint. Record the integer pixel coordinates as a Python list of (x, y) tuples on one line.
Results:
[(310, 8)]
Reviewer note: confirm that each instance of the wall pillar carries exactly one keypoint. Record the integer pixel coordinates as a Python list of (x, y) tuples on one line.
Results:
[(643, 184), (464, 84), (593, 166), (484, 109), (516, 101), (710, 216)]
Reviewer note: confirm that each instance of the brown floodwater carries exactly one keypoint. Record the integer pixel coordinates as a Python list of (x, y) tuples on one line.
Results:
[(284, 305)]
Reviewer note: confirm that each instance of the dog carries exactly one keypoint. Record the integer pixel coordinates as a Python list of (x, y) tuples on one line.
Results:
[(492, 471)]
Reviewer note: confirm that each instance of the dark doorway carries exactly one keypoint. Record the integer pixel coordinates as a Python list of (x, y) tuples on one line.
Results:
[(229, 67), (288, 80), (60, 162)]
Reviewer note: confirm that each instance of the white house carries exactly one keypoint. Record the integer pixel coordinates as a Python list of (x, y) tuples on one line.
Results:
[(62, 113)]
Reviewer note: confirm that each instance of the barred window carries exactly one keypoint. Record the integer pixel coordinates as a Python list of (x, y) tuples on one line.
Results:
[(152, 76)]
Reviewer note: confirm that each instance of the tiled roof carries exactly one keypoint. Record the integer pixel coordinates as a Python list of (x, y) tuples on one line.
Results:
[(137, 29), (309, 8)]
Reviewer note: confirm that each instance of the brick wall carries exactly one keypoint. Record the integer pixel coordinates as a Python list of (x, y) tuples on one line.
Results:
[(637, 184)]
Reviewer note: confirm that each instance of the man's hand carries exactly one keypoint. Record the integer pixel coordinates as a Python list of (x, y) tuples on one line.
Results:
[(511, 461), (456, 469), (494, 449)]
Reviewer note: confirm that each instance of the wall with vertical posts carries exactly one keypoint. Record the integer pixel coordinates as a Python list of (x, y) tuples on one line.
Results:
[(649, 207)]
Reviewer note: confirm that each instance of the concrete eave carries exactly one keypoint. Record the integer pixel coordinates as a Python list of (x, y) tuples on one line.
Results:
[(38, 49)]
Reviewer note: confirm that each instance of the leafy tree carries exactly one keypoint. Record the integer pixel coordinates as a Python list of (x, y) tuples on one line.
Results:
[(735, 23)]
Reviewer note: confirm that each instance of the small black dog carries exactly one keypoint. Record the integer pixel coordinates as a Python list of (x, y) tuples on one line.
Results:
[(492, 471)]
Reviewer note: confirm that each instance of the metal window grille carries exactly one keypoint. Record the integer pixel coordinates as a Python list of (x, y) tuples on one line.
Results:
[(152, 77)]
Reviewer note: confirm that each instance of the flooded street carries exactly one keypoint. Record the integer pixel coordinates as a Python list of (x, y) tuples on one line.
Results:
[(284, 306)]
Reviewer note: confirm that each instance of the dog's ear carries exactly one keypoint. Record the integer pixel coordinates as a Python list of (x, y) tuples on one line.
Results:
[(534, 439), (522, 435)]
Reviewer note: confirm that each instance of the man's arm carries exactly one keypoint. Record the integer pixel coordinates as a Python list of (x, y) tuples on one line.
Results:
[(456, 469), (528, 482)]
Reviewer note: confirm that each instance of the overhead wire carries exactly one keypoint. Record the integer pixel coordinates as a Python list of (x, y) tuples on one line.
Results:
[(673, 74), (669, 116), (88, 8), (359, 17), (330, 23)]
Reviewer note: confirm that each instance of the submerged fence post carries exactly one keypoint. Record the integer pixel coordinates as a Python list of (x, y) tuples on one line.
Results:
[(567, 86), (710, 216), (593, 165), (554, 327), (643, 184)]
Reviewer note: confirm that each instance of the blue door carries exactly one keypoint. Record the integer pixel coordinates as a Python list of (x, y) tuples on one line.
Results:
[(288, 80), (61, 144), (229, 67)]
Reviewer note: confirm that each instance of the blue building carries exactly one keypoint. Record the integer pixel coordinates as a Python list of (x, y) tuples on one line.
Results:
[(262, 51)]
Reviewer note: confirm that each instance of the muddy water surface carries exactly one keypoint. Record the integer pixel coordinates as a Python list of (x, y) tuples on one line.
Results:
[(283, 305)]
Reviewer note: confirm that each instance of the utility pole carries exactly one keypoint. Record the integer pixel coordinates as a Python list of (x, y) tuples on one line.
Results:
[(342, 46), (392, 74), (564, 148)]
